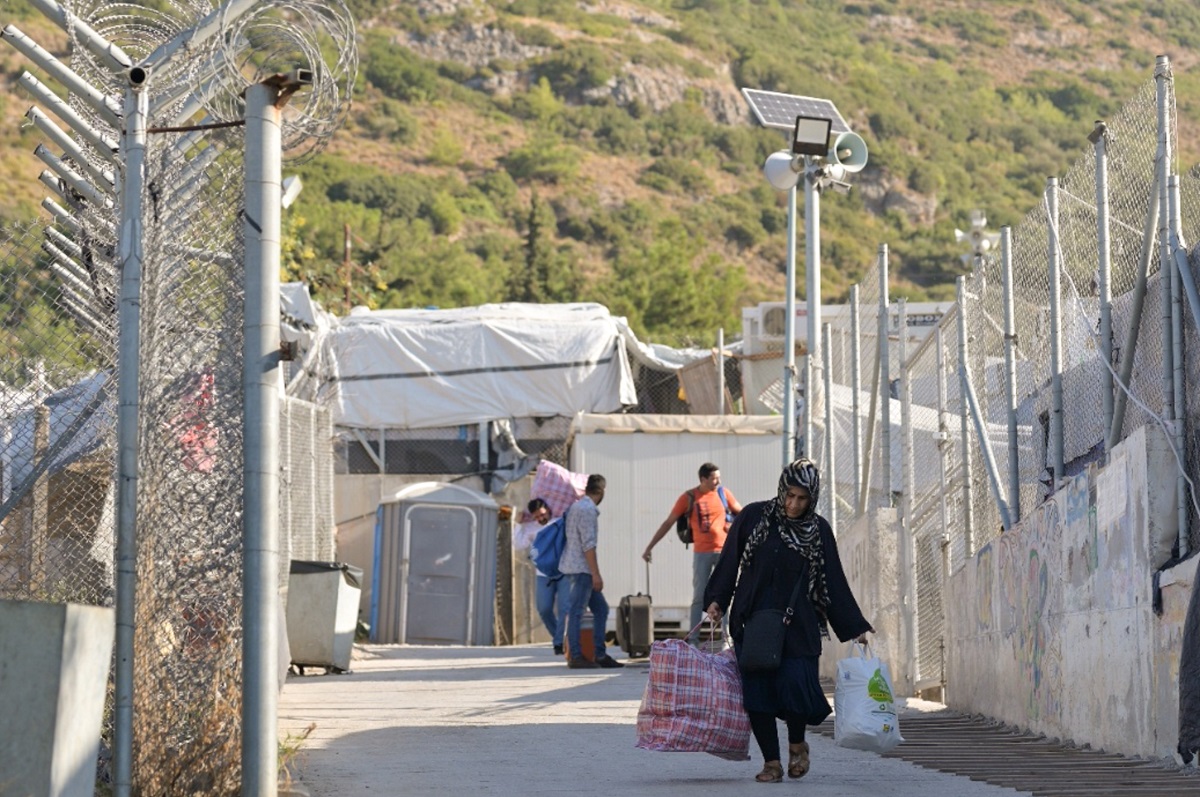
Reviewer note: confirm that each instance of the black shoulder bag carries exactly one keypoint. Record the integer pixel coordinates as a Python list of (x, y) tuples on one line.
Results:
[(762, 637)]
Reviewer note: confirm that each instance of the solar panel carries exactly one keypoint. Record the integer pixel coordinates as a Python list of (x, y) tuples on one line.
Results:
[(779, 111)]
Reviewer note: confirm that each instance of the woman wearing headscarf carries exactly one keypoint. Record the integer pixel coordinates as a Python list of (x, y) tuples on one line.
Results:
[(772, 547)]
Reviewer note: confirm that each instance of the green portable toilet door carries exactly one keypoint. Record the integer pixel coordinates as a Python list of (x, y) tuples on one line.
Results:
[(439, 590)]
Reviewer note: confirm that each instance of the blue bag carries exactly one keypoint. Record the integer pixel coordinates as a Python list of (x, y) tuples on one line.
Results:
[(548, 546)]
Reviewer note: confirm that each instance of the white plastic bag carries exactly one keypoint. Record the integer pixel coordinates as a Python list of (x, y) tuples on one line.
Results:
[(864, 708)]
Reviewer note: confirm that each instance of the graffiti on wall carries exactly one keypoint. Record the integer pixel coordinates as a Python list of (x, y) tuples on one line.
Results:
[(984, 588), (1028, 564)]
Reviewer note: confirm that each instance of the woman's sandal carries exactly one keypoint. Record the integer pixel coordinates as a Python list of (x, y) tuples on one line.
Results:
[(798, 760), (772, 772)]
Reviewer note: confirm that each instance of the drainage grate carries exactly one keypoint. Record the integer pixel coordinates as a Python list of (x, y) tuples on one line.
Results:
[(980, 750)]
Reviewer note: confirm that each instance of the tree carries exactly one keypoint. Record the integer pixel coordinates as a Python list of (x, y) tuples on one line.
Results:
[(547, 273)]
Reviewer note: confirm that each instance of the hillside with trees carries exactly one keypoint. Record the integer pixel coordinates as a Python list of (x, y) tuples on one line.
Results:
[(546, 150)]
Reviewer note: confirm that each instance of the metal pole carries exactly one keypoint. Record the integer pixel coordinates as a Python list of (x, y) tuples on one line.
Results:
[(128, 420), (855, 388), (943, 445), (1149, 225), (789, 337), (1189, 282), (721, 370), (1056, 382), (907, 546), (830, 457), (113, 56), (1180, 377), (985, 445), (1104, 267), (1010, 373), (906, 437), (260, 381), (1172, 315), (885, 376), (812, 303), (963, 365)]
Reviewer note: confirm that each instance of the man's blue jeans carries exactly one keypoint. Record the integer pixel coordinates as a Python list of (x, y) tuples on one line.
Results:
[(552, 597), (703, 565), (581, 595)]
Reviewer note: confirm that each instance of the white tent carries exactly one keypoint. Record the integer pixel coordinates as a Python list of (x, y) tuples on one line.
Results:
[(416, 369)]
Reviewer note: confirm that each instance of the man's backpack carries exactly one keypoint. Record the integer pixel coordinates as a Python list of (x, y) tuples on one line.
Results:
[(548, 546), (683, 526)]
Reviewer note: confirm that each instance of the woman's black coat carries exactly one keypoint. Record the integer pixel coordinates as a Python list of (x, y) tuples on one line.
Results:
[(768, 582)]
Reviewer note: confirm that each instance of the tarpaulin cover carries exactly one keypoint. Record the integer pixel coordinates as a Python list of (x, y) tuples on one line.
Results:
[(417, 369)]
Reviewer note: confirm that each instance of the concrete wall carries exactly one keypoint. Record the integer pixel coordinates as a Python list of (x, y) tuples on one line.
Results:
[(54, 662), (870, 550), (1050, 627)]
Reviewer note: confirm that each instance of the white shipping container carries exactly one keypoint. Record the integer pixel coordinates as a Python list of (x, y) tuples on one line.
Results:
[(648, 461)]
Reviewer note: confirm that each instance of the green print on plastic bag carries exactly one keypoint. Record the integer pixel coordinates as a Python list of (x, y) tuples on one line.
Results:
[(878, 689)]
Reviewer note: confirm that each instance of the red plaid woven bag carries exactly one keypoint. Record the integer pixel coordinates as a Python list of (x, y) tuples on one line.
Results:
[(557, 486), (693, 703)]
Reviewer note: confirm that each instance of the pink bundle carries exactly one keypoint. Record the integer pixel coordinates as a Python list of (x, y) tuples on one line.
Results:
[(557, 486), (693, 703)]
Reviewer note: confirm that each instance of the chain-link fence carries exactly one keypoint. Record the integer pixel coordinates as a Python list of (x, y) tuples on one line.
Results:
[(57, 418), (162, 215), (952, 458)]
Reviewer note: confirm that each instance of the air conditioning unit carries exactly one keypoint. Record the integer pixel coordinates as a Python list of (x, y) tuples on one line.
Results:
[(764, 327)]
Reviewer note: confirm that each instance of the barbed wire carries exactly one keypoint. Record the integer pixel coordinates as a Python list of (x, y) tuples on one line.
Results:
[(277, 37)]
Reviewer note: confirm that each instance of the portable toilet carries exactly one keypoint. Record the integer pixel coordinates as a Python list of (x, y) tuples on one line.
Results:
[(435, 566)]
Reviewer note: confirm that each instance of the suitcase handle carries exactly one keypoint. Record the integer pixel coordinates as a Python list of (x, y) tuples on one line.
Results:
[(647, 578)]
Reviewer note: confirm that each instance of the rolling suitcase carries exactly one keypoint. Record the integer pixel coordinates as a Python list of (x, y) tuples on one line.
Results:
[(635, 622)]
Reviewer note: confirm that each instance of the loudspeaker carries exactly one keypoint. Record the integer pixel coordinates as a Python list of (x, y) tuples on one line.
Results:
[(849, 151)]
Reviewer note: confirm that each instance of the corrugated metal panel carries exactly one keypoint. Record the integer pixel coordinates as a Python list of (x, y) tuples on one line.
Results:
[(646, 473)]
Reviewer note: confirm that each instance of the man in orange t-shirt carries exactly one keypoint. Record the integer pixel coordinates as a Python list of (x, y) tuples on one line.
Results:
[(707, 522)]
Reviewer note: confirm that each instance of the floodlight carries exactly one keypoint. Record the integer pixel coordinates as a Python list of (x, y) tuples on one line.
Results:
[(783, 170), (810, 136)]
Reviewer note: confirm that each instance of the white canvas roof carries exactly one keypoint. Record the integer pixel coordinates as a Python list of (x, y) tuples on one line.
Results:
[(414, 369)]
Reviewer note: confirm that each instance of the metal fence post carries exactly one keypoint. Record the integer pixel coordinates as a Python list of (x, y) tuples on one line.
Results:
[(261, 383), (908, 558), (789, 337), (964, 413), (885, 377), (855, 388), (1099, 138), (1056, 384), (943, 446), (1010, 374), (830, 437), (906, 460), (1180, 377), (1149, 224), (721, 371), (128, 420)]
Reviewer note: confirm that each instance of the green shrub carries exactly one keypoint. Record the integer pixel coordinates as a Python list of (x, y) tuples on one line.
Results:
[(399, 74), (444, 214), (679, 174), (388, 119), (542, 160)]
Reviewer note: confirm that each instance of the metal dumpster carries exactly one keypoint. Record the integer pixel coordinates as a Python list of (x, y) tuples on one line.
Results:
[(322, 613)]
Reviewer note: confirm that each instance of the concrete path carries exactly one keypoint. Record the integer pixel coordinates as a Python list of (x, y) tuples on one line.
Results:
[(515, 721)]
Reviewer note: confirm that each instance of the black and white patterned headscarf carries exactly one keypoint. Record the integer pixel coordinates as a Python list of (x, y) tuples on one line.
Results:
[(800, 534)]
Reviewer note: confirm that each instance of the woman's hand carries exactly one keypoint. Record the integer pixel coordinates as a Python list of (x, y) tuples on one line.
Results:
[(714, 612), (862, 638)]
